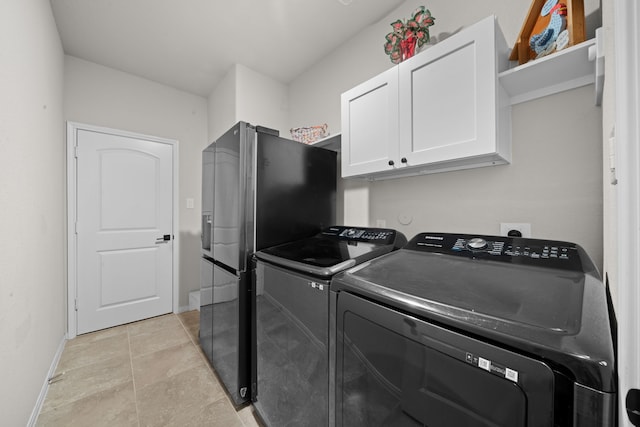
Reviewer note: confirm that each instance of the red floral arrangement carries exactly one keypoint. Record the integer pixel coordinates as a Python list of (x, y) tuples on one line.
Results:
[(401, 42)]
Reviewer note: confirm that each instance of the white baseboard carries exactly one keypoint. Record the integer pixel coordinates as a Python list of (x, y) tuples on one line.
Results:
[(194, 300), (45, 386)]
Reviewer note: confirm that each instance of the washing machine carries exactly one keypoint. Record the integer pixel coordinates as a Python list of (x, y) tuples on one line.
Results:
[(291, 359), (466, 330)]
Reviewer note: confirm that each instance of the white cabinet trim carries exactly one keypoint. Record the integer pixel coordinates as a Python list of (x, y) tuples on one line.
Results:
[(627, 57)]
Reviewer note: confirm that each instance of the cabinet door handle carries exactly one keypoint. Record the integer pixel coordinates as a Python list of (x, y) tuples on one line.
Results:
[(391, 163)]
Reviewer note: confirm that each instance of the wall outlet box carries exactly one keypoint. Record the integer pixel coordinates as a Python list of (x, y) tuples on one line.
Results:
[(523, 227)]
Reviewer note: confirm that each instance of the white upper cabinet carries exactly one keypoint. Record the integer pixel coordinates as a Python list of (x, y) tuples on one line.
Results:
[(451, 111), (370, 125), (449, 102)]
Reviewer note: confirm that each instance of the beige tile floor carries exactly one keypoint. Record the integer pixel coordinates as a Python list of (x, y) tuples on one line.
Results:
[(147, 373)]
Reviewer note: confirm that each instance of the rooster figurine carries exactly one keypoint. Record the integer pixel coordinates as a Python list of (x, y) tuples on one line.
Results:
[(555, 14)]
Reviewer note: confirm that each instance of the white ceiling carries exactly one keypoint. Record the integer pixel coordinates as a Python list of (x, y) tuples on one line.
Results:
[(192, 44)]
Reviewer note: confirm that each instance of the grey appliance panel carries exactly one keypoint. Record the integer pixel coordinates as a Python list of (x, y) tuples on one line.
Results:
[(292, 335), (396, 369), (295, 194)]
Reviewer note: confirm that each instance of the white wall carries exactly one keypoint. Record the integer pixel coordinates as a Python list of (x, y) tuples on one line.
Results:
[(106, 97), (32, 204), (314, 96), (246, 95), (554, 182), (222, 106), (260, 100), (558, 166)]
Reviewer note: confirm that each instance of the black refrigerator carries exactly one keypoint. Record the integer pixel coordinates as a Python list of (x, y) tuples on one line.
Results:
[(259, 190)]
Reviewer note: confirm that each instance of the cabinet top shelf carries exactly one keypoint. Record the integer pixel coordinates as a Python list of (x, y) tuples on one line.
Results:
[(331, 142), (564, 70)]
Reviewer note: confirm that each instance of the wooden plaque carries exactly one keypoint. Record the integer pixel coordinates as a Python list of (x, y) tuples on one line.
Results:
[(536, 23)]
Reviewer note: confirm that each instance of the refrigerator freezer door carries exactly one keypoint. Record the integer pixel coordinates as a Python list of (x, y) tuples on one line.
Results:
[(229, 323), (206, 305), (230, 184)]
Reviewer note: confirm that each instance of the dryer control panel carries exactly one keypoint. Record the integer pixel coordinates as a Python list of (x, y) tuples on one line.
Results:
[(547, 253)]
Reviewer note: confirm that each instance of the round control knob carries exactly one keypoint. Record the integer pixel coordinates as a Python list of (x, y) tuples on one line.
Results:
[(477, 243)]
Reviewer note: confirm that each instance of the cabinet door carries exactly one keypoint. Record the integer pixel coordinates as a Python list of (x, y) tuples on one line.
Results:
[(448, 98), (370, 125)]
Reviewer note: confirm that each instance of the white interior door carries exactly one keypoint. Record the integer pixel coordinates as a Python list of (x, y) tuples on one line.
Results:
[(124, 229)]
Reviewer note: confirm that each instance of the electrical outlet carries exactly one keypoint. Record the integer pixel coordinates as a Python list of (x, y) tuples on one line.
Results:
[(405, 219), (523, 227)]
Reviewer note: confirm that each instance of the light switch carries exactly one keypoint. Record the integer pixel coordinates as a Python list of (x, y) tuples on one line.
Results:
[(189, 203)]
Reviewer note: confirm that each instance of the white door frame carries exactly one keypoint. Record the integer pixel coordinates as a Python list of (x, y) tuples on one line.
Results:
[(72, 285), (627, 134)]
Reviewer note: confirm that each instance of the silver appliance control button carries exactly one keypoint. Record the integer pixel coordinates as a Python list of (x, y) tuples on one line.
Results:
[(477, 243)]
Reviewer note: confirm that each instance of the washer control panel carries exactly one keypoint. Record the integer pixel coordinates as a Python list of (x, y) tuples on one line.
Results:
[(382, 236), (549, 253)]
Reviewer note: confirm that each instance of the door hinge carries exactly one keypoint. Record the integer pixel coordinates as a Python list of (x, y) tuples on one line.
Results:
[(75, 151), (75, 304)]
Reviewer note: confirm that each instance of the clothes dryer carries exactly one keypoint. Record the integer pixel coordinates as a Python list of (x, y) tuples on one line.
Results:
[(464, 330), (292, 381)]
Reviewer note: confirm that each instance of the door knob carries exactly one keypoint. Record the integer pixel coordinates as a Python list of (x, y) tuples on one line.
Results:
[(164, 238)]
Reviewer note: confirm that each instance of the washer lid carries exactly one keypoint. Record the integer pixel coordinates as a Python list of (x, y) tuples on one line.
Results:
[(544, 307), (531, 298), (334, 249)]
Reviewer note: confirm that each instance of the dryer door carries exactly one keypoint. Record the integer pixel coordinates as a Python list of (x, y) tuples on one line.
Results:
[(395, 369)]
